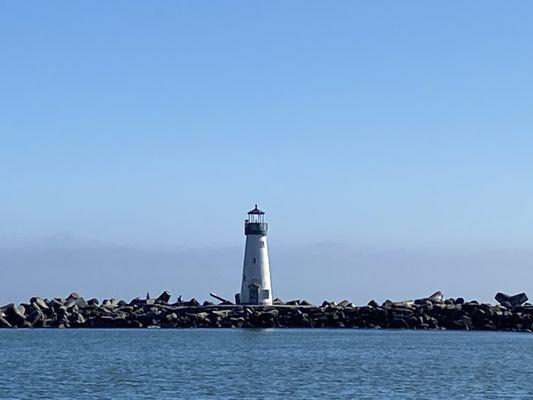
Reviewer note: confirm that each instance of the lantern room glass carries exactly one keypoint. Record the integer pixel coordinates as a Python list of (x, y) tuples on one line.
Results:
[(256, 218)]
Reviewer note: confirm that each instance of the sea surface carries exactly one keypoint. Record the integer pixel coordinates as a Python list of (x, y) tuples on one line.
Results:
[(264, 364)]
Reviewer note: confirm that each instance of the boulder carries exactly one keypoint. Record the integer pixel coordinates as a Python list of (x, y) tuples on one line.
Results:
[(80, 320), (278, 302), (72, 302), (171, 317), (135, 324), (345, 303), (110, 303), (136, 302), (463, 323), (21, 310), (69, 305), (56, 303), (398, 323), (4, 323), (36, 319), (220, 313), (470, 306), (34, 306), (40, 303), (373, 303), (387, 304), (193, 303), (15, 315), (201, 315), (72, 296), (436, 297), (511, 301), (404, 303), (164, 297), (236, 322)]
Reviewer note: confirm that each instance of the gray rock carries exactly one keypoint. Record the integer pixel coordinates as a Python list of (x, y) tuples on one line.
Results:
[(40, 303), (81, 320), (75, 300), (511, 301), (436, 297), (464, 323), (345, 303), (171, 317), (404, 303), (373, 303), (293, 303), (220, 313), (80, 302), (111, 303), (73, 296), (55, 303), (193, 303), (201, 315), (164, 297), (21, 310), (36, 319), (4, 323), (93, 302), (15, 315)]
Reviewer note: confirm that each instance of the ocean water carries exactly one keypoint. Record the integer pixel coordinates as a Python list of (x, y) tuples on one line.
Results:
[(253, 364)]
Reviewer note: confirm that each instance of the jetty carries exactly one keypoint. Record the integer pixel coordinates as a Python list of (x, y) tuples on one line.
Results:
[(512, 313)]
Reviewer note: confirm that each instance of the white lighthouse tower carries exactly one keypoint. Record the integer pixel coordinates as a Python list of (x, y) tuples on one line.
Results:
[(256, 287)]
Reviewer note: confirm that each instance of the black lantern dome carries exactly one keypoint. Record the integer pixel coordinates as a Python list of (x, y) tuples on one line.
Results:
[(255, 224)]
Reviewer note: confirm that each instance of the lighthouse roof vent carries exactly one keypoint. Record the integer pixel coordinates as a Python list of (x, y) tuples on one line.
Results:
[(256, 211)]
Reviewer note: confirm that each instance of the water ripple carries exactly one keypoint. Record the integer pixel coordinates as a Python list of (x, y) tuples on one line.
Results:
[(276, 364)]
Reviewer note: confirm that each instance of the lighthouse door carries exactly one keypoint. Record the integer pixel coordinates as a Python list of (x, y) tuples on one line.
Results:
[(254, 293)]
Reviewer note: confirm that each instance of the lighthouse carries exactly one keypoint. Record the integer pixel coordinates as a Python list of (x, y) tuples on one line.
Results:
[(256, 287)]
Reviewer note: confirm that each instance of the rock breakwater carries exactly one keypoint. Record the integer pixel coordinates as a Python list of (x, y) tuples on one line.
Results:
[(433, 312)]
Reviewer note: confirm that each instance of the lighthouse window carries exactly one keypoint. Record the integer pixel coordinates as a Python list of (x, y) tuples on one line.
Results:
[(254, 260), (262, 243)]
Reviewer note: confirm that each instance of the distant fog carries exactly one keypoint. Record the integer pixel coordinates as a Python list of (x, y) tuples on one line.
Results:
[(314, 272)]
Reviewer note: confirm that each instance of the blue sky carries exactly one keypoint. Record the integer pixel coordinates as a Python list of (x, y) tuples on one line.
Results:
[(397, 131)]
